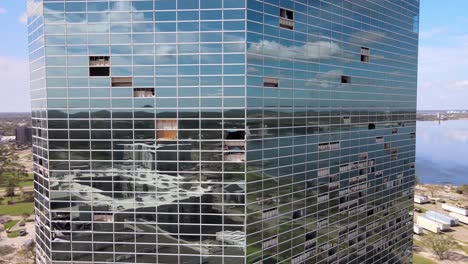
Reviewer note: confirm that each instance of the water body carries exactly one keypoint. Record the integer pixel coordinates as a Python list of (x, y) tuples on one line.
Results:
[(442, 151)]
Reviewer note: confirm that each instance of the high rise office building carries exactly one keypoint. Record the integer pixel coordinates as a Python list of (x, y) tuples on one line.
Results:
[(23, 135), (223, 131)]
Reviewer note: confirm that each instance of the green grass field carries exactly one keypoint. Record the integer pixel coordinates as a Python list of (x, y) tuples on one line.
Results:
[(16, 209), (13, 234), (418, 259), (10, 224)]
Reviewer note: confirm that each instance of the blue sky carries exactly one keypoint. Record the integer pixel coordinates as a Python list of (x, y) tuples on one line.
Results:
[(443, 56)]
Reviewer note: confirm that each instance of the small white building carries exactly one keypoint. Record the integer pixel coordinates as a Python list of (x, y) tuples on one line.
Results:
[(441, 218), (455, 209), (421, 199), (417, 229), (461, 218), (431, 225)]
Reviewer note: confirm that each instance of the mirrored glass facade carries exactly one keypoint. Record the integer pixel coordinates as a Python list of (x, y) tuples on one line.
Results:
[(223, 131)]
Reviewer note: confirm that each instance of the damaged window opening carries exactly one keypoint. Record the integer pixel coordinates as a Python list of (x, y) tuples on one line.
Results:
[(345, 79), (122, 81), (286, 18), (99, 66), (365, 54), (143, 92)]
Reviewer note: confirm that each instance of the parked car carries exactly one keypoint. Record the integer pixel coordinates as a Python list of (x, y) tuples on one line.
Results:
[(453, 198), (417, 210), (441, 201), (23, 232)]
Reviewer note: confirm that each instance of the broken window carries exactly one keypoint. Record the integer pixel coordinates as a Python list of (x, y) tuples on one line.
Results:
[(103, 217), (270, 82), (365, 54), (235, 134), (234, 140), (143, 92), (122, 81), (99, 66), (347, 120), (285, 13), (345, 79), (286, 18), (363, 156), (166, 129), (234, 156)]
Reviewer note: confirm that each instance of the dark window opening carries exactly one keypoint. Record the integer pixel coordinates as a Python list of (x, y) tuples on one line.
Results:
[(285, 13), (143, 92), (286, 18), (371, 126), (234, 144), (99, 61), (346, 120), (310, 235), (345, 79), (365, 58), (365, 54), (122, 81), (298, 214), (99, 71), (270, 82), (235, 134), (99, 66)]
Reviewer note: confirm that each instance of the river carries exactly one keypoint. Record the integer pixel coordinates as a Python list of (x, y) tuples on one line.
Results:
[(442, 152)]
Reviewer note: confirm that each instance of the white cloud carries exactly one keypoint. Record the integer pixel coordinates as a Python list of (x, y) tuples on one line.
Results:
[(364, 37), (434, 32), (459, 85), (23, 18), (3, 10), (308, 51), (442, 74), (325, 79), (14, 74)]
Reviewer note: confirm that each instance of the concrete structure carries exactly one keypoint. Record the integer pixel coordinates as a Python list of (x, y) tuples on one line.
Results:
[(223, 131), (421, 199), (23, 135), (455, 209), (441, 218), (459, 217), (431, 225), (417, 229)]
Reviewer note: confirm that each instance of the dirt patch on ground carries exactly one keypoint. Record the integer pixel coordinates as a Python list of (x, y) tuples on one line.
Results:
[(25, 158)]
